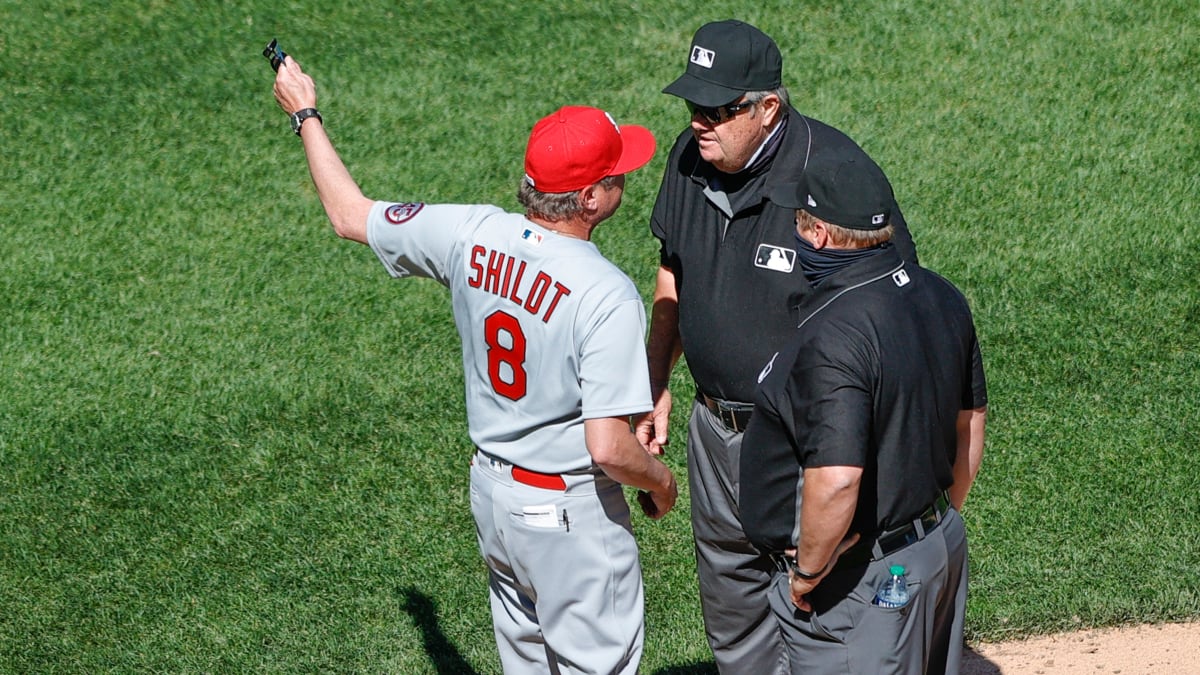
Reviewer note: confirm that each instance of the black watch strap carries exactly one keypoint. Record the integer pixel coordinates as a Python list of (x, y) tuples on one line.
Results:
[(802, 574), (299, 116)]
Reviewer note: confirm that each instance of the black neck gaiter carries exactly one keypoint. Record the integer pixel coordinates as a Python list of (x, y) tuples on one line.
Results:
[(820, 263)]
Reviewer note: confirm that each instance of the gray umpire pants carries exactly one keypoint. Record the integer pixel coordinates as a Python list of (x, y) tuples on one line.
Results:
[(846, 633), (734, 577)]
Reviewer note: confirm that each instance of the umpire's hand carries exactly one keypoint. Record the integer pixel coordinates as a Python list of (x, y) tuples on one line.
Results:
[(651, 428)]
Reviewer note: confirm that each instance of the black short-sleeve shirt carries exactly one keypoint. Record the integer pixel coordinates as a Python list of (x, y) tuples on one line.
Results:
[(734, 259), (884, 360)]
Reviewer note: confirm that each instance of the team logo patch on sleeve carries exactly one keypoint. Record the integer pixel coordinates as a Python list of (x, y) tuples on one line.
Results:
[(775, 258), (398, 214)]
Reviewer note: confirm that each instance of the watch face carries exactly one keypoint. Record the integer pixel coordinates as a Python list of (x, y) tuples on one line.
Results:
[(299, 116)]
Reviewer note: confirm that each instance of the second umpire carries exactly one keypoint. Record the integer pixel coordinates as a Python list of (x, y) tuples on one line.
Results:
[(867, 433)]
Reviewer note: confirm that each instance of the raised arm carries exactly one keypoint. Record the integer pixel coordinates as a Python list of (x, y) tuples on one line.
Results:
[(344, 202)]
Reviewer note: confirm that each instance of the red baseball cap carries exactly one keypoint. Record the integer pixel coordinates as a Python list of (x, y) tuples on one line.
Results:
[(576, 146)]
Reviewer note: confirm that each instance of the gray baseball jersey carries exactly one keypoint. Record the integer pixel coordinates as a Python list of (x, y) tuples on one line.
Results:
[(552, 332)]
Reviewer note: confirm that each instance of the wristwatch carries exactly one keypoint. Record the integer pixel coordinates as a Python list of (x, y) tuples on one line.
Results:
[(299, 116), (802, 574)]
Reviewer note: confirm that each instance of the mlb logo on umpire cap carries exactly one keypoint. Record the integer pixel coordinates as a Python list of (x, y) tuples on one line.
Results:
[(702, 57), (749, 61)]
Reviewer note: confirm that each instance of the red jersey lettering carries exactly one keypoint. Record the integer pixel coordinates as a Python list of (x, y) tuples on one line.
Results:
[(503, 275), (541, 283), (559, 292), (491, 282), (477, 278)]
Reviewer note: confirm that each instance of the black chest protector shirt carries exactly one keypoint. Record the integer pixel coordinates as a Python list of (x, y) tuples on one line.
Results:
[(733, 253), (884, 360)]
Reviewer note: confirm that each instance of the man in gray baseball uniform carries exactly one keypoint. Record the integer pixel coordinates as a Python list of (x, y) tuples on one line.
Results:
[(555, 366)]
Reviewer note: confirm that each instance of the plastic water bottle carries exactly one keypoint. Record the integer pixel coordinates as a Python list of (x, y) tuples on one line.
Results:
[(893, 592)]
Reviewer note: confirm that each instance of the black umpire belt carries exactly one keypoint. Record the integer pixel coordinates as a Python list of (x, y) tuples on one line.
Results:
[(734, 416), (887, 543)]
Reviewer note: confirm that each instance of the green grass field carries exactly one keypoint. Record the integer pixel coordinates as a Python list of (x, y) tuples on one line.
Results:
[(229, 443)]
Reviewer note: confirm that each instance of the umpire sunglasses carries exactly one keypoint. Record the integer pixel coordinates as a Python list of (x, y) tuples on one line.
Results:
[(718, 114)]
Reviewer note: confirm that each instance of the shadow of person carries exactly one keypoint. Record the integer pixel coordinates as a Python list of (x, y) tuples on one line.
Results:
[(974, 663), (444, 655)]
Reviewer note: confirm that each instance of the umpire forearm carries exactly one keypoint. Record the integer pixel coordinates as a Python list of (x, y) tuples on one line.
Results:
[(828, 500), (663, 346), (969, 458)]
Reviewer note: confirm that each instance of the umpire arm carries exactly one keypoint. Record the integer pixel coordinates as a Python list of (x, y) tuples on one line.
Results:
[(969, 455), (663, 349)]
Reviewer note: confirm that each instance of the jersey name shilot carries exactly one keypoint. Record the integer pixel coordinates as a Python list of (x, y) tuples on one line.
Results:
[(503, 274)]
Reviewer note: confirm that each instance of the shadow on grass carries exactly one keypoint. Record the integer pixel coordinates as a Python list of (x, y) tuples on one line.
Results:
[(441, 652), (448, 661)]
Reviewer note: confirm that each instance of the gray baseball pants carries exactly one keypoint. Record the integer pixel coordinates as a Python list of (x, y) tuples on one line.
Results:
[(564, 574), (846, 633)]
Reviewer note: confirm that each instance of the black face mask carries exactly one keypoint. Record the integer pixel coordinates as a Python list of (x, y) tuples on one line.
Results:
[(820, 263)]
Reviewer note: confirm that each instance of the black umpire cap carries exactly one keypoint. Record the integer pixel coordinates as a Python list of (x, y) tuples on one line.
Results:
[(849, 192), (728, 59)]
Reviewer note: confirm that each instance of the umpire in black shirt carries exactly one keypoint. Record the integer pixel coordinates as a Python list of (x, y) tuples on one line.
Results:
[(866, 435), (725, 298)]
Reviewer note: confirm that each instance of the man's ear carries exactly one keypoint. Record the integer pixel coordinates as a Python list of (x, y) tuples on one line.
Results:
[(588, 199), (772, 108), (820, 234)]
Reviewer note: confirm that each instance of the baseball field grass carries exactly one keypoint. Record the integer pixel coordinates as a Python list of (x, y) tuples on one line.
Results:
[(230, 443)]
